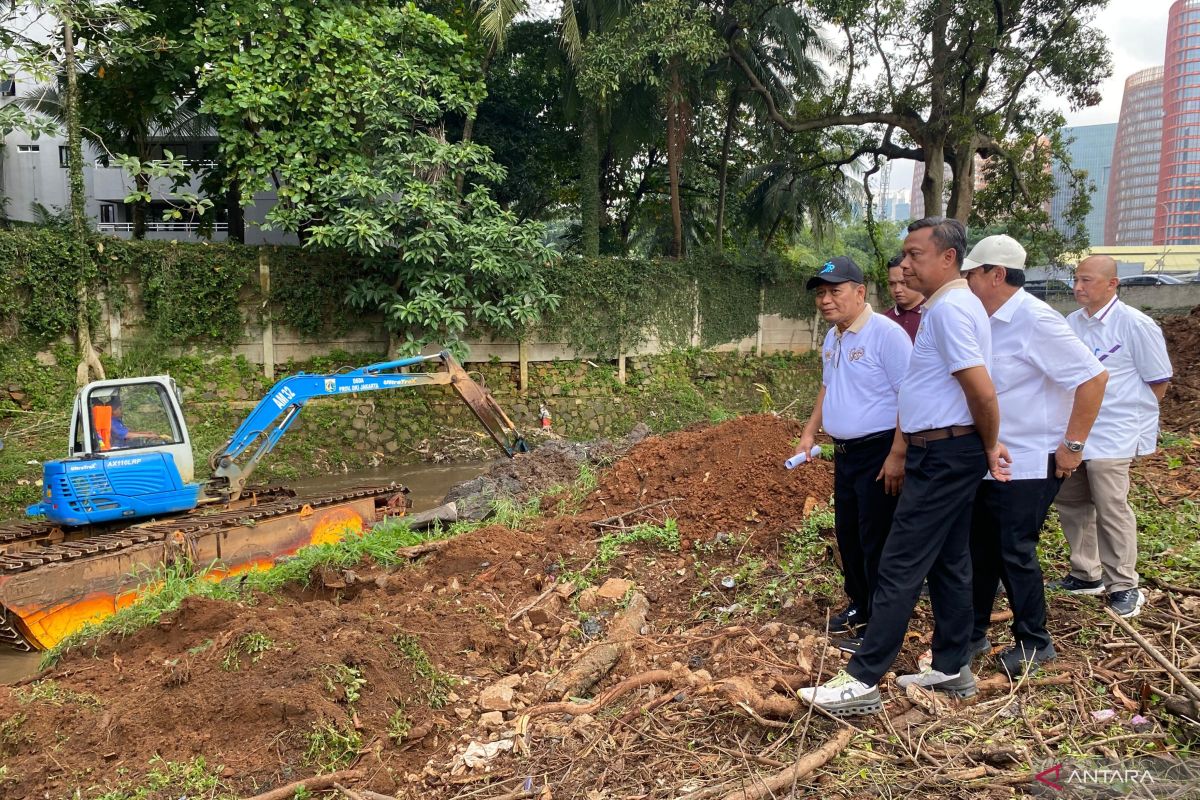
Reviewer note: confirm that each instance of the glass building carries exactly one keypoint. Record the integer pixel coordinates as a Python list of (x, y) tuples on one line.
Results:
[(1091, 149), (1133, 180), (1177, 217)]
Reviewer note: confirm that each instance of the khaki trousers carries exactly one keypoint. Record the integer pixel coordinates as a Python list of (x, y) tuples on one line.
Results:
[(1093, 505)]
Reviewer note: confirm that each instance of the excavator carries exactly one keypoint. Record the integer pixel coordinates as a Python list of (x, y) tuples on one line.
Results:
[(125, 501)]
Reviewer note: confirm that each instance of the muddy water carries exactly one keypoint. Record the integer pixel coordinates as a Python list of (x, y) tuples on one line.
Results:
[(427, 484)]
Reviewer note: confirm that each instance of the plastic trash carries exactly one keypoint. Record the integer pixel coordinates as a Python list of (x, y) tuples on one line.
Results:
[(800, 458)]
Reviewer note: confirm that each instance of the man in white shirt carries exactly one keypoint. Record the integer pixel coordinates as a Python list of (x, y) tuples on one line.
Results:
[(1093, 503), (950, 419), (864, 358), (1050, 387)]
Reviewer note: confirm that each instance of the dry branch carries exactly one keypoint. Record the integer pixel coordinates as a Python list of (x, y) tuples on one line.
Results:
[(316, 783), (677, 675), (785, 779), (1002, 683), (621, 517), (1157, 655), (599, 661)]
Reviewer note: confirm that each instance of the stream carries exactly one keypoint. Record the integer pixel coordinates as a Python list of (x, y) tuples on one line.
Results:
[(427, 484)]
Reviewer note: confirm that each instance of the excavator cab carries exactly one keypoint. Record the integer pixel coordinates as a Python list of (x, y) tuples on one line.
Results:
[(130, 457)]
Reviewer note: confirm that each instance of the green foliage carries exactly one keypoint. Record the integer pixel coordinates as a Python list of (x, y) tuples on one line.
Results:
[(331, 747), (806, 555), (193, 778), (253, 645), (440, 684), (398, 724), (665, 536), (344, 680), (52, 693), (507, 512), (37, 282), (352, 137)]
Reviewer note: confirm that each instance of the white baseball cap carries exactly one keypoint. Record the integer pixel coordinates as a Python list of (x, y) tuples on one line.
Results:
[(997, 251)]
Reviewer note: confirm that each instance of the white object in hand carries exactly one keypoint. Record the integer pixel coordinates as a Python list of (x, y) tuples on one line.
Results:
[(800, 458)]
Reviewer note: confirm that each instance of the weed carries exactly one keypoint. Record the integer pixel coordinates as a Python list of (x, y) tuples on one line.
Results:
[(11, 734), (508, 513), (331, 747), (805, 550), (440, 684), (345, 680), (665, 536), (200, 648), (49, 691), (254, 645), (398, 724), (584, 484), (171, 778)]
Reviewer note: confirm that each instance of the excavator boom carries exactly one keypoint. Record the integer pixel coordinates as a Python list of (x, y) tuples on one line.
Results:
[(276, 412)]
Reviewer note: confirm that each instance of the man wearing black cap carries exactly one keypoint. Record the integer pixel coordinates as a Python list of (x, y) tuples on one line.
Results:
[(864, 359)]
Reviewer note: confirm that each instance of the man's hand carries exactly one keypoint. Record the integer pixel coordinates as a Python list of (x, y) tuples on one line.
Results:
[(1066, 462), (805, 444), (893, 472), (1000, 463)]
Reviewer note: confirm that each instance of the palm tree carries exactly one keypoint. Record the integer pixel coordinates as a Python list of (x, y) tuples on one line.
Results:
[(782, 48)]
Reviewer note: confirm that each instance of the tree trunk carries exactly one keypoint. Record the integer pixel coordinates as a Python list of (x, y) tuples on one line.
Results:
[(142, 181), (89, 366), (735, 102), (675, 138), (589, 180), (962, 191), (469, 126), (934, 182), (235, 215)]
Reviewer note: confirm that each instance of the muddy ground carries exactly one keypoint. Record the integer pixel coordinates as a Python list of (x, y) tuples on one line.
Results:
[(336, 676), (1181, 406)]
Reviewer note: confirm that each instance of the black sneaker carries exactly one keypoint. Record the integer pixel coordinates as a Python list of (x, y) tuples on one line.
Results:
[(1017, 659), (850, 644), (1127, 602), (1073, 585), (847, 620)]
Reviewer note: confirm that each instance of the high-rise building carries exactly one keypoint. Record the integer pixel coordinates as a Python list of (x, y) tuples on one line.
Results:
[(1091, 150), (1177, 210), (1133, 181)]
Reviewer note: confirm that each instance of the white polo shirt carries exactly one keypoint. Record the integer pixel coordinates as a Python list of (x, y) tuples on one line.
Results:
[(862, 371), (954, 335), (1130, 345), (1037, 363)]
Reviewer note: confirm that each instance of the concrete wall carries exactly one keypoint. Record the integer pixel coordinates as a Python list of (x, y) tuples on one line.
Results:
[(1156, 301)]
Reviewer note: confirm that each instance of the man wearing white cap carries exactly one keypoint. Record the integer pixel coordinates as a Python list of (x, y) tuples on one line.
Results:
[(1050, 387)]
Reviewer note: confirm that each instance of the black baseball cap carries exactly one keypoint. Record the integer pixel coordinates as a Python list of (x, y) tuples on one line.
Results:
[(836, 270)]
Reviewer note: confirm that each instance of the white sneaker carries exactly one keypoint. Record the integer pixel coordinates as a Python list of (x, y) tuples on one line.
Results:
[(844, 696), (956, 684)]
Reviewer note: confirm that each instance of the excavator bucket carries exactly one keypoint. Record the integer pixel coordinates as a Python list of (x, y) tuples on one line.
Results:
[(486, 409)]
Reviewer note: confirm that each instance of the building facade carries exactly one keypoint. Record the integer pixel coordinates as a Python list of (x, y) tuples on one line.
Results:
[(1133, 180), (1177, 212), (1091, 150)]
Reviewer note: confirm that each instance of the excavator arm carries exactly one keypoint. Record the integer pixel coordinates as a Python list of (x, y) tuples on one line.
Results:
[(276, 412)]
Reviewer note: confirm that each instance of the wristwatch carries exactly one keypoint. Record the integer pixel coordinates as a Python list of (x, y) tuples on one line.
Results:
[(1074, 447)]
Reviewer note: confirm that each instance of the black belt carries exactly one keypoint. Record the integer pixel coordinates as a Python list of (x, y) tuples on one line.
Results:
[(923, 438), (847, 445)]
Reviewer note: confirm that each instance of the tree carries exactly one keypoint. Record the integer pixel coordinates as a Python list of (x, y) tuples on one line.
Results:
[(97, 22), (941, 81), (342, 107)]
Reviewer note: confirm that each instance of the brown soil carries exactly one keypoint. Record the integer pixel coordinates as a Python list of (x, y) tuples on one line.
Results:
[(182, 689), (1181, 406)]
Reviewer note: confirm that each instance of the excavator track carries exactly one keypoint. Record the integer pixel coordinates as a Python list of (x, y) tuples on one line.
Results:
[(42, 567)]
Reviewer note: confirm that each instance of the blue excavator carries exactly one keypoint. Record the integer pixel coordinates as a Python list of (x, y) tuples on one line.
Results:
[(131, 455)]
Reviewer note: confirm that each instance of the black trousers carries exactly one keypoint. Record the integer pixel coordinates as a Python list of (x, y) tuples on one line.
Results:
[(863, 513), (930, 538), (1005, 527)]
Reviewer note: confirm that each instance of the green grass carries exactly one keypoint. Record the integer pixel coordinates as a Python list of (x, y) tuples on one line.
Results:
[(665, 536), (804, 557), (50, 692), (165, 588), (509, 513)]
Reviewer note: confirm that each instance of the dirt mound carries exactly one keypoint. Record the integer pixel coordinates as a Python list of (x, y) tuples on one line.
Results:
[(726, 478), (1181, 406), (392, 668)]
